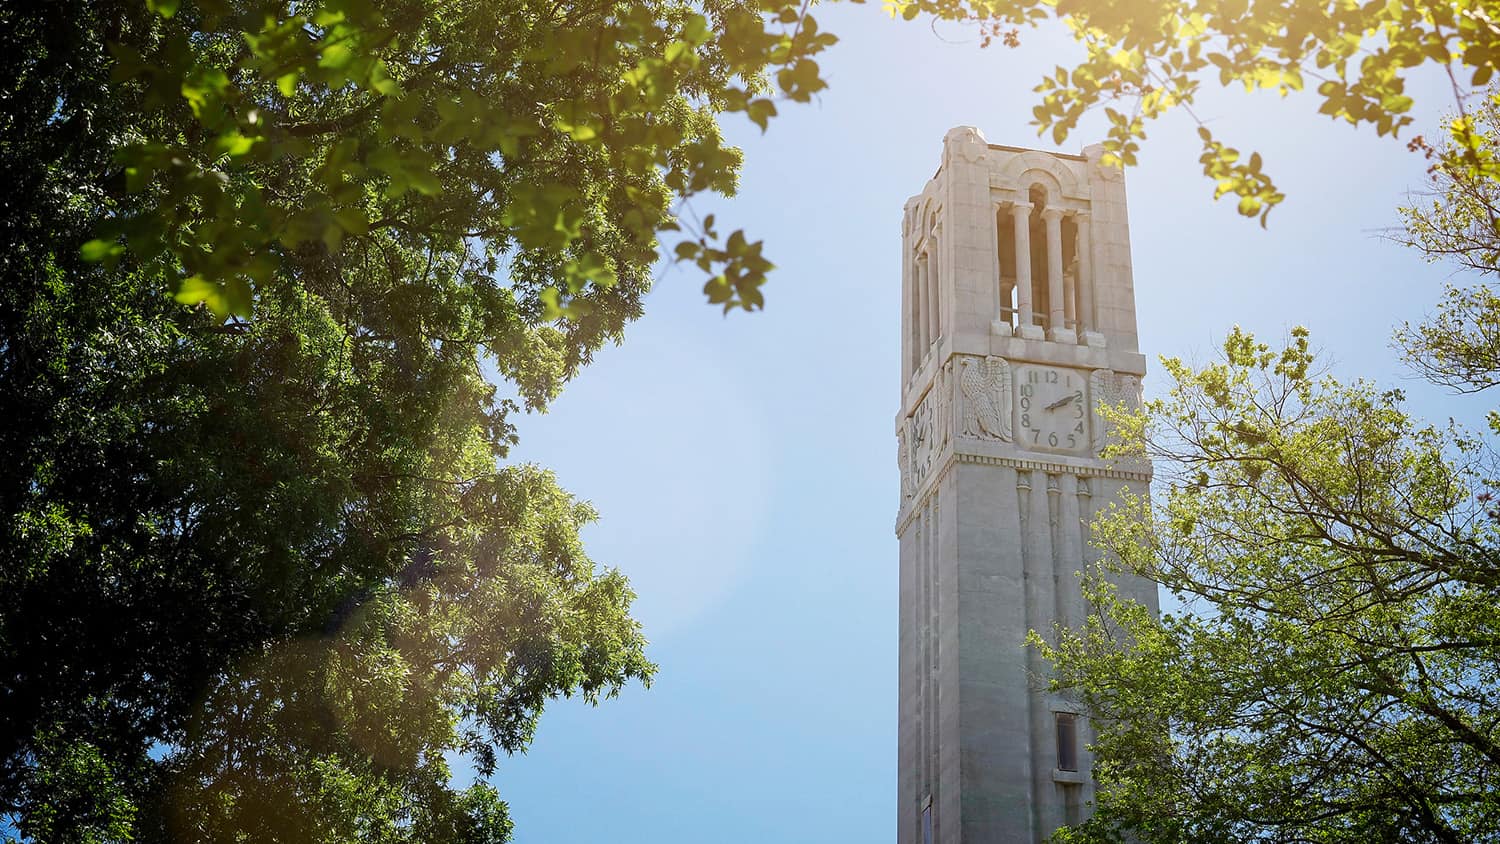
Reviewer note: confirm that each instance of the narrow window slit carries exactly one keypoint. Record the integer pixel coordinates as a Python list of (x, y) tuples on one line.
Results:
[(1067, 741)]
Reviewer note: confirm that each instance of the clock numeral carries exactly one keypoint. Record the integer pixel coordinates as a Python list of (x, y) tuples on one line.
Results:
[(1026, 420), (1025, 402), (1052, 440)]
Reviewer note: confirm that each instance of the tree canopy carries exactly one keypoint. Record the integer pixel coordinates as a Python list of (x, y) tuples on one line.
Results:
[(562, 137), (1144, 60), (1333, 673), (266, 567)]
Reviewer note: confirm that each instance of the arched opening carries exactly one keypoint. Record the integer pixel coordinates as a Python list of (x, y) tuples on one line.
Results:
[(1043, 283), (924, 314), (1041, 303), (1005, 237)]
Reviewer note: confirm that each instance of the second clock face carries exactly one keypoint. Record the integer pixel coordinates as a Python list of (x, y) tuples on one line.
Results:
[(1052, 410)]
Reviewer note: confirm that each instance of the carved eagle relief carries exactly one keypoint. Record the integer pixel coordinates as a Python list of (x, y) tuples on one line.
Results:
[(985, 384), (1110, 388)]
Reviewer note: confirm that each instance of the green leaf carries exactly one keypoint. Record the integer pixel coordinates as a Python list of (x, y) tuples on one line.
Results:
[(551, 309), (677, 50), (195, 289), (234, 144), (424, 181), (98, 250), (761, 111), (337, 56), (352, 220), (695, 30)]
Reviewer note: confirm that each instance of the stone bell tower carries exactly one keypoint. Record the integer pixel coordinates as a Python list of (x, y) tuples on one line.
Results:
[(1018, 322)]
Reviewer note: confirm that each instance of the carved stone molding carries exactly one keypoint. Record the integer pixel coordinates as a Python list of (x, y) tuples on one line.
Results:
[(1055, 468), (1120, 473), (967, 143)]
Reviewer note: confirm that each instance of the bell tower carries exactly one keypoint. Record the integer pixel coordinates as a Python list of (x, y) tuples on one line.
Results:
[(1018, 323)]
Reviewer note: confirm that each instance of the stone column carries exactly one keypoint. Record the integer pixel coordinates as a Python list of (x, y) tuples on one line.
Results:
[(933, 296), (1070, 298), (924, 303), (1025, 323), (1056, 306), (914, 317)]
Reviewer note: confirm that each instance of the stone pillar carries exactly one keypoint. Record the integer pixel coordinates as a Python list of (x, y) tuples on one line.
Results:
[(1025, 323), (923, 341), (934, 296), (913, 296), (1057, 307), (1070, 300)]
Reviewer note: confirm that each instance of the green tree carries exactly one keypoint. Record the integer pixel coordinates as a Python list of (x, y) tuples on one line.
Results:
[(1143, 60), (557, 135), (1334, 672), (264, 564), (1458, 221)]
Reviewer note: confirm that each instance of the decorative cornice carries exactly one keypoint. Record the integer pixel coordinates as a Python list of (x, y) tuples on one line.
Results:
[(1054, 468), (953, 458)]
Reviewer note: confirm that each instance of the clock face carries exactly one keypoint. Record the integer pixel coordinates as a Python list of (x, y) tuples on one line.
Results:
[(1052, 409)]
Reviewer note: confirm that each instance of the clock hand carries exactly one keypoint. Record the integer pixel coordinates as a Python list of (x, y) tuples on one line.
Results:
[(1059, 403)]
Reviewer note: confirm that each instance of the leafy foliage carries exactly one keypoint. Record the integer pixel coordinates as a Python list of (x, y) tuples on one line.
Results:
[(1332, 675), (554, 135), (1146, 59), (1459, 221), (264, 568), (1335, 672)]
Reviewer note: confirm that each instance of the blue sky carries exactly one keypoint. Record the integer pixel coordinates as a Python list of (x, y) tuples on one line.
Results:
[(744, 467)]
